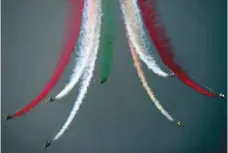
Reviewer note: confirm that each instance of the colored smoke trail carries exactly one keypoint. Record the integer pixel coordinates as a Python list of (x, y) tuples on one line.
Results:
[(145, 84), (87, 75), (132, 25), (158, 35), (85, 48), (108, 33), (73, 29)]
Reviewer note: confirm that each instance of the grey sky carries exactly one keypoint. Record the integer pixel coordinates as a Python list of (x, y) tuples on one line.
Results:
[(117, 117)]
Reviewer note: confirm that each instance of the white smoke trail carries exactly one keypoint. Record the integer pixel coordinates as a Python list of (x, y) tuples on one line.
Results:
[(142, 28), (87, 74), (145, 84), (132, 25), (83, 53)]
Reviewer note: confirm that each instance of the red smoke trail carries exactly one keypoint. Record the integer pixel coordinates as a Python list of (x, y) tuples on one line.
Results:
[(73, 29), (158, 35)]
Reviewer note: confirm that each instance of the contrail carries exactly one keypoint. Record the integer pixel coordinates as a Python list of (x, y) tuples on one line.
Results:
[(87, 74), (84, 49), (132, 25), (108, 32), (73, 30), (145, 84), (160, 39)]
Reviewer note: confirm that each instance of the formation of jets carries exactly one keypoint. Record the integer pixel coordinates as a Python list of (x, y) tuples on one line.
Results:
[(48, 143), (102, 81)]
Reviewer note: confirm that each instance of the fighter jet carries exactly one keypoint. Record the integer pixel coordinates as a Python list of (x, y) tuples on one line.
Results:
[(47, 144), (221, 95), (51, 99), (104, 80), (180, 124), (172, 74), (8, 117)]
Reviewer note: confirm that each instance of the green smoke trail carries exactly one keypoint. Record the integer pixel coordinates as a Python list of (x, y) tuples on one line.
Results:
[(107, 39)]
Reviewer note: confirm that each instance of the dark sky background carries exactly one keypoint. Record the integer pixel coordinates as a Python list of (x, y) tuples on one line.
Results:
[(117, 117)]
